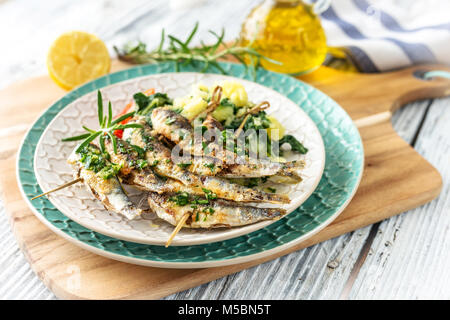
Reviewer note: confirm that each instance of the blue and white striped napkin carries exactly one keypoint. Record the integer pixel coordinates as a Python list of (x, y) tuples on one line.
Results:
[(384, 35)]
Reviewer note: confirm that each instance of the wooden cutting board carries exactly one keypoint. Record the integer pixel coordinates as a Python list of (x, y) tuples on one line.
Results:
[(396, 178)]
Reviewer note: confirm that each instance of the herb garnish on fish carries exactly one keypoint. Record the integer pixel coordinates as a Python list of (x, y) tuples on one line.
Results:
[(107, 127)]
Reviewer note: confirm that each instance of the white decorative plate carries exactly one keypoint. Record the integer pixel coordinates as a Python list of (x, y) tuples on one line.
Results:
[(52, 170)]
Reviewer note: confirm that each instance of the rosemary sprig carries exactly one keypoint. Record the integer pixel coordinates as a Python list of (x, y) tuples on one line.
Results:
[(182, 54), (107, 127)]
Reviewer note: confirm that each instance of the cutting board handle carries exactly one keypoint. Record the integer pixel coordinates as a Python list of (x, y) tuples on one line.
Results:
[(371, 98), (416, 85)]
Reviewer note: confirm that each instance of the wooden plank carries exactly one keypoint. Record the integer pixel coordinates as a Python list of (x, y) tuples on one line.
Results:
[(318, 272), (409, 258), (406, 122)]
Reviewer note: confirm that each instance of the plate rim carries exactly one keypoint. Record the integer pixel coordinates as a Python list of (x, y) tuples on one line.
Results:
[(238, 231), (184, 264)]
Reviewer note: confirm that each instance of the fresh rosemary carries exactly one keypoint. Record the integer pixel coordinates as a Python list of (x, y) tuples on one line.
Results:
[(179, 52), (107, 127)]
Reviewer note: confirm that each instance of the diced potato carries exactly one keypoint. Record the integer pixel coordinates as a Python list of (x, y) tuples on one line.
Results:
[(276, 129), (223, 113), (180, 102), (234, 91), (200, 90), (194, 107)]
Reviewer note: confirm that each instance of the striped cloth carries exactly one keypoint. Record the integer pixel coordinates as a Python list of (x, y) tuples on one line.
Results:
[(384, 35)]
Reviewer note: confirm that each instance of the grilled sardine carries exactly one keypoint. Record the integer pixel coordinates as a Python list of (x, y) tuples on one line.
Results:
[(108, 191), (217, 213)]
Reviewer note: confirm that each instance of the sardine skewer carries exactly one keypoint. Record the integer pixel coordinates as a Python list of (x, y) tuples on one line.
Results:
[(108, 191), (234, 166), (160, 158), (214, 214)]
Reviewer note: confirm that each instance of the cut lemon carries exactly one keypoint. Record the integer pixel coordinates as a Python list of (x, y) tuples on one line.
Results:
[(77, 57)]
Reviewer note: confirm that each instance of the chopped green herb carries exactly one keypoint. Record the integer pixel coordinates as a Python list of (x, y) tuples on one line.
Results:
[(184, 165), (209, 210), (209, 194), (181, 199), (170, 121), (211, 166), (139, 150), (154, 163), (141, 163), (109, 171), (294, 143)]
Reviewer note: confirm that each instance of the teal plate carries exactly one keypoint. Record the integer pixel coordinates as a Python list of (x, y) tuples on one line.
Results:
[(341, 177)]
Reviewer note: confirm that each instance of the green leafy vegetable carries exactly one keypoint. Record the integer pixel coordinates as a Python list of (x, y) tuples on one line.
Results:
[(294, 143), (146, 104)]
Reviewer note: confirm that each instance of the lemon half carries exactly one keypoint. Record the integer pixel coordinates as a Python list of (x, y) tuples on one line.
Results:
[(77, 57)]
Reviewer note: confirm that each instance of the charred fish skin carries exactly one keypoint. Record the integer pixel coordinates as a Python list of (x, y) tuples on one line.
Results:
[(143, 178), (158, 155), (172, 125), (108, 191), (213, 215), (177, 129)]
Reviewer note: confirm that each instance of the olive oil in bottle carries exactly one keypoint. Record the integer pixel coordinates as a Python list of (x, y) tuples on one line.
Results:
[(287, 31)]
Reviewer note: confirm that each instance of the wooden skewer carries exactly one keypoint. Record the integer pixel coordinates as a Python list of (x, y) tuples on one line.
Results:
[(59, 188), (263, 105), (215, 101), (177, 228)]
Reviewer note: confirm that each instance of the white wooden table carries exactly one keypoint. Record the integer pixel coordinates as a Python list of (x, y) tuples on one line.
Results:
[(405, 257)]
